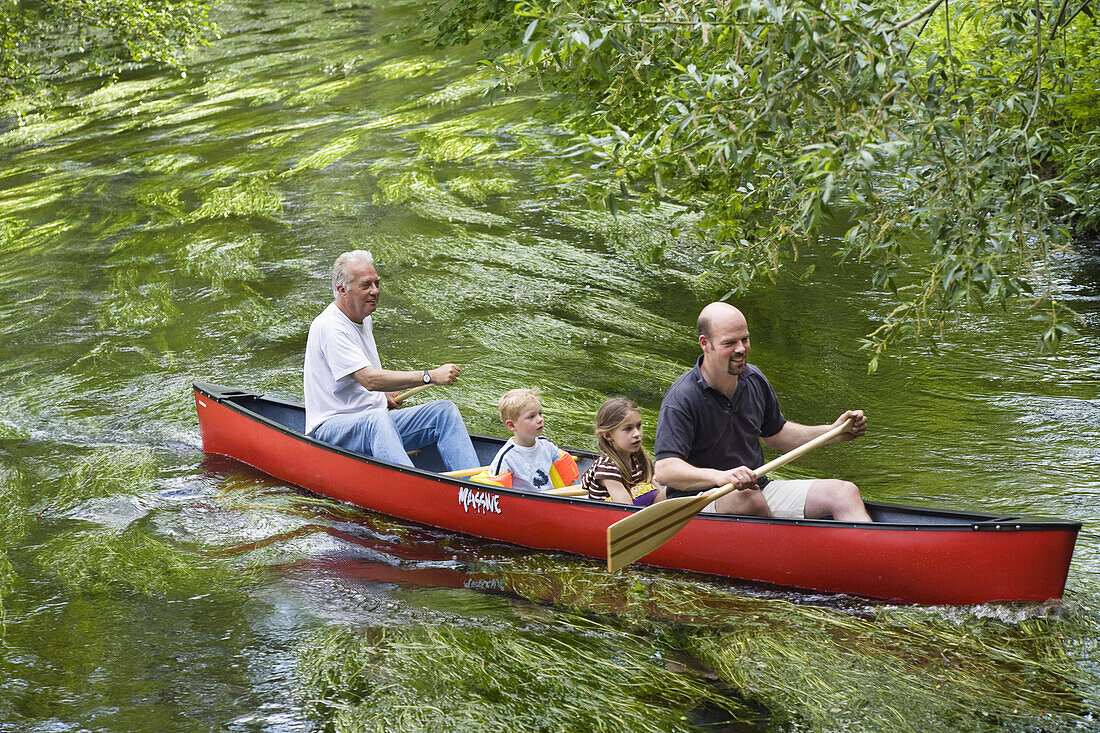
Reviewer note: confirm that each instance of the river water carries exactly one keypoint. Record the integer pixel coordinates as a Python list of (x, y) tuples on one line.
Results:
[(167, 229)]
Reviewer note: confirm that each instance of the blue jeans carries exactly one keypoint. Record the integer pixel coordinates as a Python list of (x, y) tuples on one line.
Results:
[(388, 435)]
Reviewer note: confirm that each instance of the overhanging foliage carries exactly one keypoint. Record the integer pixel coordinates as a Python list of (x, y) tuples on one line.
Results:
[(44, 40), (958, 167)]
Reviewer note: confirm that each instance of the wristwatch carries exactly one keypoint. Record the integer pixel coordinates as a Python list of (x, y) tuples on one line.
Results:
[(427, 378)]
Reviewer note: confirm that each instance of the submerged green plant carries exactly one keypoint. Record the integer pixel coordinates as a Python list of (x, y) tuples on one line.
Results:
[(220, 261), (437, 678), (14, 507), (820, 668), (479, 189), (105, 472), (98, 560), (456, 148), (404, 187), (7, 583), (250, 196), (829, 671), (422, 193), (131, 305), (14, 521), (9, 232), (327, 155)]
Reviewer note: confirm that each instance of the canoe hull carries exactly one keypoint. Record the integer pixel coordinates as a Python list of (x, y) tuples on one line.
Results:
[(930, 557)]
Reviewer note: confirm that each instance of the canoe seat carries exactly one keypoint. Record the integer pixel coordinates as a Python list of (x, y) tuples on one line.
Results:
[(571, 490), (462, 473)]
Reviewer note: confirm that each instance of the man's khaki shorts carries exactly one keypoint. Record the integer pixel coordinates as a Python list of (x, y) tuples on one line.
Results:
[(785, 497)]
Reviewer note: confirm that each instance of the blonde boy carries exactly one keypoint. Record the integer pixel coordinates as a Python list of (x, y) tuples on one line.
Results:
[(527, 455)]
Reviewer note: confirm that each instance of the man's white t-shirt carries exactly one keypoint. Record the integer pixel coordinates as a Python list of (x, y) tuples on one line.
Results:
[(338, 347)]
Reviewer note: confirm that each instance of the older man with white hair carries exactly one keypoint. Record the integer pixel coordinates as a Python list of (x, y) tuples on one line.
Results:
[(350, 397)]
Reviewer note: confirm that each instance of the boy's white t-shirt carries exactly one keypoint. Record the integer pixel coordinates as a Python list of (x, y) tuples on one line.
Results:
[(336, 348), (530, 467)]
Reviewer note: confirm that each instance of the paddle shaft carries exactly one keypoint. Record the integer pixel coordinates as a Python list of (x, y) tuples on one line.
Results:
[(643, 532), (785, 458), (409, 393)]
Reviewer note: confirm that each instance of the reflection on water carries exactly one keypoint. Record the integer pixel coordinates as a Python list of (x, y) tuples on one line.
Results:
[(168, 229)]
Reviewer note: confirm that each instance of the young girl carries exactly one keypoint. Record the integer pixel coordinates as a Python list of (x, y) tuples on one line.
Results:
[(624, 471)]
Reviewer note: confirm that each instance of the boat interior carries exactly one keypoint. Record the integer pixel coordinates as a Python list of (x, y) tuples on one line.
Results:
[(291, 417)]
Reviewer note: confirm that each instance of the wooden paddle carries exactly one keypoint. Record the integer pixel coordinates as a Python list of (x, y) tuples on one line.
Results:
[(409, 393), (643, 532)]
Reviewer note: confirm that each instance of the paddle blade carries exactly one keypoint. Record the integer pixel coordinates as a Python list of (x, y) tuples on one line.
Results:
[(643, 532)]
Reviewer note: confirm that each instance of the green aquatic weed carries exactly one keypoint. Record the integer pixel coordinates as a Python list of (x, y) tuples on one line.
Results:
[(423, 194), (220, 261), (7, 584), (15, 514), (133, 306), (9, 231), (394, 121), (475, 84), (408, 68), (452, 149), (36, 129), (822, 668), (404, 187), (103, 473), (99, 560), (119, 96), (828, 670), (169, 162), (327, 155), (167, 201), (480, 189), (444, 678), (320, 93), (15, 519), (250, 196)]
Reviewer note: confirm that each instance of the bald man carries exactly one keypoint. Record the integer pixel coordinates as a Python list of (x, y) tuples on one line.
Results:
[(712, 421)]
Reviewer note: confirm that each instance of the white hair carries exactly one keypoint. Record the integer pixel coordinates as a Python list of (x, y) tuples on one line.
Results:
[(340, 274)]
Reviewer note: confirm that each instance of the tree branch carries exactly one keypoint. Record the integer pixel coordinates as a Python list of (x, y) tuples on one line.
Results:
[(1078, 11), (1058, 21), (924, 13)]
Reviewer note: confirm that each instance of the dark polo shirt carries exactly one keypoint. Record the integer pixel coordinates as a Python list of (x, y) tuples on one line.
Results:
[(699, 425)]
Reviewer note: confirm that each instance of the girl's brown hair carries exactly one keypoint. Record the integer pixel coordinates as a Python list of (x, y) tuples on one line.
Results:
[(610, 415)]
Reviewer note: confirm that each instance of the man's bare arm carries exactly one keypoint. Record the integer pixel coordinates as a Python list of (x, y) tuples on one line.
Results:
[(386, 380), (793, 434), (679, 474)]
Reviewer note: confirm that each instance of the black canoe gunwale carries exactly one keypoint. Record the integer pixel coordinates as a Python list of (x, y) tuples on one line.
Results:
[(957, 520)]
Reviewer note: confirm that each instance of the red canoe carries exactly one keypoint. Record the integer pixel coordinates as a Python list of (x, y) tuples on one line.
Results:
[(909, 554)]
